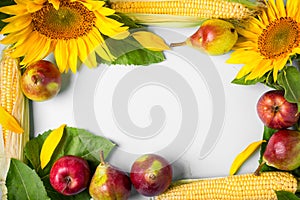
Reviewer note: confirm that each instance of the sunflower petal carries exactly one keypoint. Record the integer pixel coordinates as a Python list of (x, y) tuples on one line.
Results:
[(82, 54), (106, 11), (271, 10), (278, 65), (281, 8), (55, 3), (101, 48), (94, 5), (19, 36), (73, 56), (242, 56), (24, 37), (248, 34), (109, 27), (296, 50), (13, 9), (292, 7), (60, 54), (90, 59), (259, 69), (33, 7), (17, 25), (22, 48), (38, 51)]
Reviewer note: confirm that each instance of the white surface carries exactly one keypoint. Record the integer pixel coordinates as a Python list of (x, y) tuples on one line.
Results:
[(239, 127)]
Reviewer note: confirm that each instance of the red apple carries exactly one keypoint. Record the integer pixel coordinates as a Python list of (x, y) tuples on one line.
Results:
[(151, 174), (70, 175), (275, 111), (41, 81)]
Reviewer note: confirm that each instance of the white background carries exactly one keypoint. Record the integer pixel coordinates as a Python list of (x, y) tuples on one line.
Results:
[(240, 127)]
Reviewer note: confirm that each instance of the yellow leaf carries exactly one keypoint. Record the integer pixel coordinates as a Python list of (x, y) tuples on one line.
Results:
[(150, 41), (9, 122), (244, 155), (50, 145)]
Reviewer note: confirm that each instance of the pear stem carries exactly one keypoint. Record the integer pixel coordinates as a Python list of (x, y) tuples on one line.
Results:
[(178, 44), (102, 161), (257, 171)]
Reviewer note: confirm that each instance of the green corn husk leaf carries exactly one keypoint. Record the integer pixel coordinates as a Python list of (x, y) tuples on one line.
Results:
[(253, 4), (171, 21)]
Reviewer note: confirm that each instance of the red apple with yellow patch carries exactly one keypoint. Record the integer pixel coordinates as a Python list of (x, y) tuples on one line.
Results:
[(41, 81), (151, 174)]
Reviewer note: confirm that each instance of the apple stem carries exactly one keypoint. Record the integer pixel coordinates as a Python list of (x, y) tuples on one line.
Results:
[(177, 44), (152, 176), (35, 79), (68, 179)]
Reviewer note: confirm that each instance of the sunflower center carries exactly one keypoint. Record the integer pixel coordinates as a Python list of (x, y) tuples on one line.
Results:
[(70, 21), (279, 38)]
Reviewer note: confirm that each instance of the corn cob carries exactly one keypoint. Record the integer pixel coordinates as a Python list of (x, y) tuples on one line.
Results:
[(200, 9), (14, 102), (236, 187)]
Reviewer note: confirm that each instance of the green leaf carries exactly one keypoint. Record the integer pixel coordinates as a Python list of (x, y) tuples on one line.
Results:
[(243, 81), (140, 57), (75, 141), (284, 195), (130, 52), (125, 20), (268, 132), (289, 79), (23, 183)]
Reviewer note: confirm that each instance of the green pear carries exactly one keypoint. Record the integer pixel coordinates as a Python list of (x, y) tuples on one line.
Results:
[(214, 37), (109, 183)]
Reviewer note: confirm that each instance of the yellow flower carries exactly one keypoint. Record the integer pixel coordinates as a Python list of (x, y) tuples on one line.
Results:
[(269, 40), (71, 29)]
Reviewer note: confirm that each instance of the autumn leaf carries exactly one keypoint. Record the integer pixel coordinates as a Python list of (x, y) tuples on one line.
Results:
[(150, 41), (8, 122), (50, 145), (244, 155)]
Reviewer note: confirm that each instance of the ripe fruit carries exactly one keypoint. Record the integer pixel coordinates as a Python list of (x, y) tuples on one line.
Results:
[(151, 174), (275, 111), (41, 81), (215, 37), (70, 175), (283, 150), (109, 183)]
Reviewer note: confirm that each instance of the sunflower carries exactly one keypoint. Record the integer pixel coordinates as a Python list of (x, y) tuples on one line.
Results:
[(268, 41), (71, 29)]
